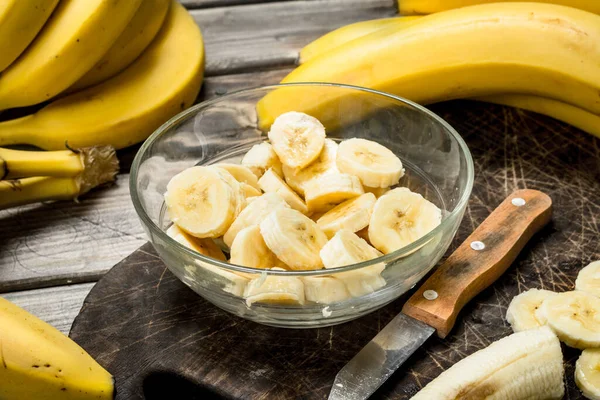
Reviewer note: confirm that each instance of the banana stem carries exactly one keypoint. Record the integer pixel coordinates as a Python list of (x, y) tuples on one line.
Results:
[(74, 174)]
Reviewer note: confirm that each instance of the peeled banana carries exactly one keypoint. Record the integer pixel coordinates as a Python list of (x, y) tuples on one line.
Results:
[(20, 22), (526, 365), (410, 7), (126, 109), (260, 158), (39, 362), (329, 190), (352, 215), (75, 37), (529, 48), (137, 35), (323, 164)]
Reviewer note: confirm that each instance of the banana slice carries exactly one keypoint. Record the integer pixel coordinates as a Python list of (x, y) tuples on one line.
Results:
[(249, 191), (588, 279), (297, 138), (253, 214), (377, 191), (275, 290), (206, 247), (294, 238), (202, 201), (346, 248), (237, 187), (575, 318), (522, 311), (353, 215), (399, 218), (250, 250), (270, 182), (260, 158), (324, 289), (329, 190), (374, 164), (241, 173), (587, 373), (324, 164), (526, 365)]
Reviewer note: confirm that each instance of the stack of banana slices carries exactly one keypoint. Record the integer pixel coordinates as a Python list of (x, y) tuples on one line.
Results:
[(299, 202), (573, 316)]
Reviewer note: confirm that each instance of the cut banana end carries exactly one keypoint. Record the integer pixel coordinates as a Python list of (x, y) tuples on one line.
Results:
[(202, 201), (329, 190), (353, 215), (526, 365), (250, 250), (324, 164), (297, 138), (522, 312), (575, 317), (241, 173), (254, 213), (400, 217), (206, 247), (587, 373), (294, 238), (275, 290), (588, 279), (270, 182), (375, 165), (260, 158), (324, 289), (346, 248)]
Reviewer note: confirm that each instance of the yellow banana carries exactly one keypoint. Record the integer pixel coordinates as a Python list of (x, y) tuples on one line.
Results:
[(73, 40), (138, 34), (127, 108), (346, 34), (582, 119), (61, 163), (417, 7), (529, 48), (20, 21), (39, 362)]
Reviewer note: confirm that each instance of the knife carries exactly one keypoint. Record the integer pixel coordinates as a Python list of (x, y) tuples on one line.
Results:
[(475, 265)]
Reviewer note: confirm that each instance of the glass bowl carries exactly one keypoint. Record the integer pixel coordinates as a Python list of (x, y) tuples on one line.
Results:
[(437, 161)]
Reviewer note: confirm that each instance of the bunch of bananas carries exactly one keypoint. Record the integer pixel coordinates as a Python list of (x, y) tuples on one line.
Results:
[(540, 56), (111, 71)]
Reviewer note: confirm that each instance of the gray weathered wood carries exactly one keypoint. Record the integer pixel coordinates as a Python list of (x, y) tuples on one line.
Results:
[(59, 243), (57, 306), (249, 37)]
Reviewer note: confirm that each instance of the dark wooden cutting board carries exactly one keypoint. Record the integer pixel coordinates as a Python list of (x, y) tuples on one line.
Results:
[(162, 341)]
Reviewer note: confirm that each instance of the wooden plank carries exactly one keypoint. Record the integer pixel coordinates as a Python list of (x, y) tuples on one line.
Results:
[(221, 3), (57, 306), (250, 37), (59, 243)]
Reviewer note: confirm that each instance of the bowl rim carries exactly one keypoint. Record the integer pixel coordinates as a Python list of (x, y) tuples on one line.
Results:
[(406, 250)]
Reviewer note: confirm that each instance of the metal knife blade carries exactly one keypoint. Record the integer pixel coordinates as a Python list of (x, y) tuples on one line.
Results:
[(380, 358)]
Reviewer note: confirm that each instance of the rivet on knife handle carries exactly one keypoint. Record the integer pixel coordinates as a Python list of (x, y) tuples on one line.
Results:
[(497, 242)]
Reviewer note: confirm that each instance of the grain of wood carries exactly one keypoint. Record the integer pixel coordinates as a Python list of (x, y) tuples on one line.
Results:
[(250, 37), (57, 306)]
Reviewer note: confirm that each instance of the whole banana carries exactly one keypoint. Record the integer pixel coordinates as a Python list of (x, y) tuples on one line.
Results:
[(20, 21), (73, 40), (126, 109), (138, 34), (39, 362), (416, 7), (528, 48)]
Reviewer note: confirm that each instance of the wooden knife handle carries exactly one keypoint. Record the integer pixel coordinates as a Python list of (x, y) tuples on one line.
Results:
[(480, 260)]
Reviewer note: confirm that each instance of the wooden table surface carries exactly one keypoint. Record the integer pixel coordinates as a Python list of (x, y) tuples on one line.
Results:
[(51, 254)]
